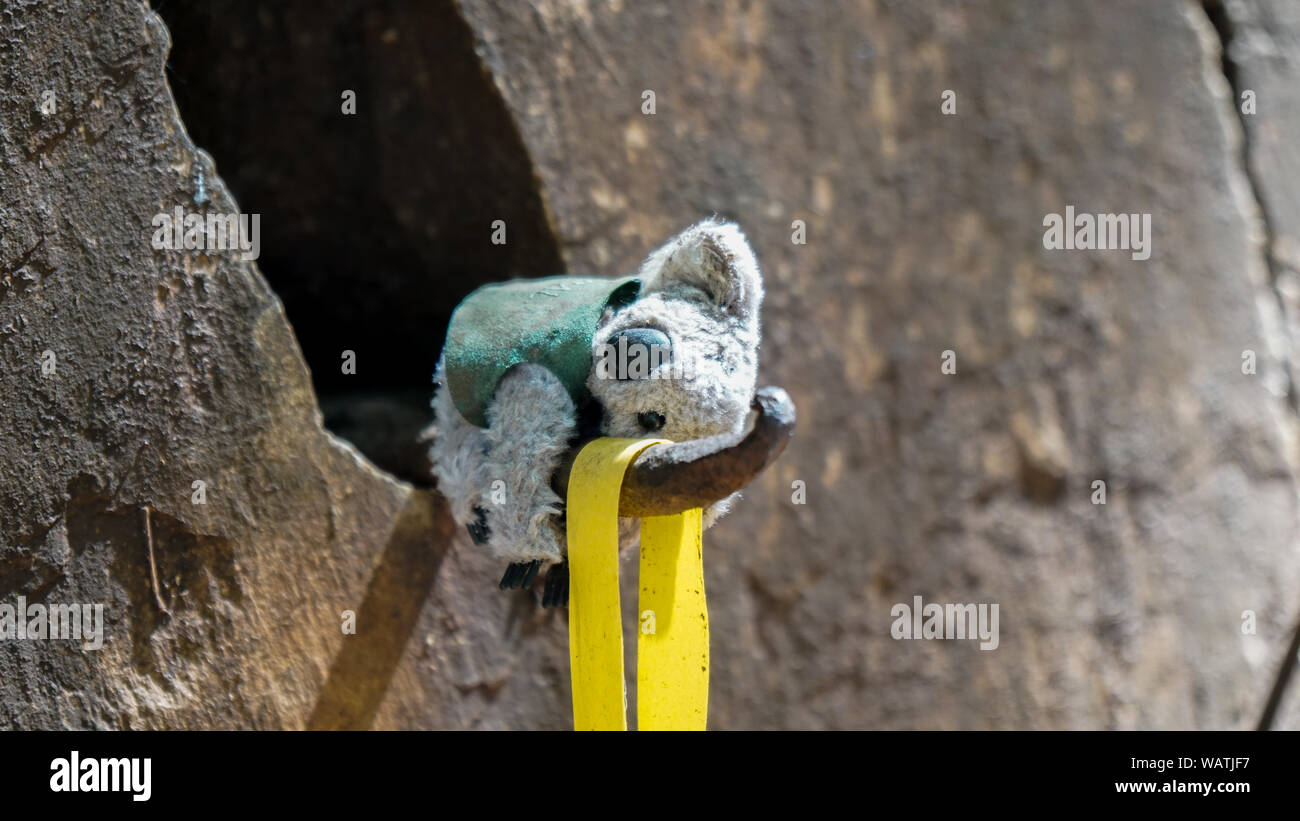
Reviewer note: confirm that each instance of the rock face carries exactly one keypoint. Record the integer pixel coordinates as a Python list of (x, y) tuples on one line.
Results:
[(128, 374), (1262, 58), (170, 368), (924, 234)]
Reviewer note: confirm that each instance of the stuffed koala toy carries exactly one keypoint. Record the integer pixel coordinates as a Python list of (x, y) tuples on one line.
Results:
[(532, 366)]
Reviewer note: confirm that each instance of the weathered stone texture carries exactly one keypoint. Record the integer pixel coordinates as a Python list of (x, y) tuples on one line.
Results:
[(924, 235)]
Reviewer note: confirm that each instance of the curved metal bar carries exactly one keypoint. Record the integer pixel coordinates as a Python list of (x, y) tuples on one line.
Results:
[(669, 479)]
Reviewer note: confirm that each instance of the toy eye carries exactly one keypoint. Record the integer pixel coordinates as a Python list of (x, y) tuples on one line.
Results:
[(650, 421)]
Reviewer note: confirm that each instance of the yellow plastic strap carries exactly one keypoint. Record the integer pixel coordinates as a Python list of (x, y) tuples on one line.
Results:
[(673, 641), (672, 656)]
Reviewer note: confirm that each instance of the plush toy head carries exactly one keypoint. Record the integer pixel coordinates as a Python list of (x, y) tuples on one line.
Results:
[(529, 366), (700, 298)]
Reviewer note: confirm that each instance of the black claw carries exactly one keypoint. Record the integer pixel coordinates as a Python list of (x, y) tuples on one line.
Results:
[(514, 574), (519, 574), (556, 592), (547, 591), (478, 530), (530, 574)]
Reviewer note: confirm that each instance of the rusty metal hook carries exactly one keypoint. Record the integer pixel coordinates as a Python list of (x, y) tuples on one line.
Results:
[(672, 478)]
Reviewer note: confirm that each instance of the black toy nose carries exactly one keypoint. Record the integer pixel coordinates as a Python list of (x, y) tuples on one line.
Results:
[(648, 345)]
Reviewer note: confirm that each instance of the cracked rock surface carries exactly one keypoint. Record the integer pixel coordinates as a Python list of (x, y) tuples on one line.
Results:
[(177, 367), (1261, 58), (924, 235)]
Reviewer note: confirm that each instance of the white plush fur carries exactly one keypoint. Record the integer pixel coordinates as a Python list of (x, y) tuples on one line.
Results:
[(704, 291)]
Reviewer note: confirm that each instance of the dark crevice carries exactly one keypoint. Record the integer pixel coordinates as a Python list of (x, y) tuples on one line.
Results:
[(373, 225), (1280, 683), (1225, 28), (1223, 24)]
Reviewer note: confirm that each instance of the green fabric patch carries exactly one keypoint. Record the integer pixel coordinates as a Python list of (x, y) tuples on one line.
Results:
[(549, 321)]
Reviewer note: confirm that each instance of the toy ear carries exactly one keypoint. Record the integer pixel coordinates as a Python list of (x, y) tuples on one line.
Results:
[(713, 257), (624, 295)]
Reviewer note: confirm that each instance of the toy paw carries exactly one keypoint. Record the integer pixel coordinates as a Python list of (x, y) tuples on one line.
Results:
[(538, 542)]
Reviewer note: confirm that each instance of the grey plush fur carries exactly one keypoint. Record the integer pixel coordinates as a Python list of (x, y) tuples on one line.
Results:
[(703, 291)]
